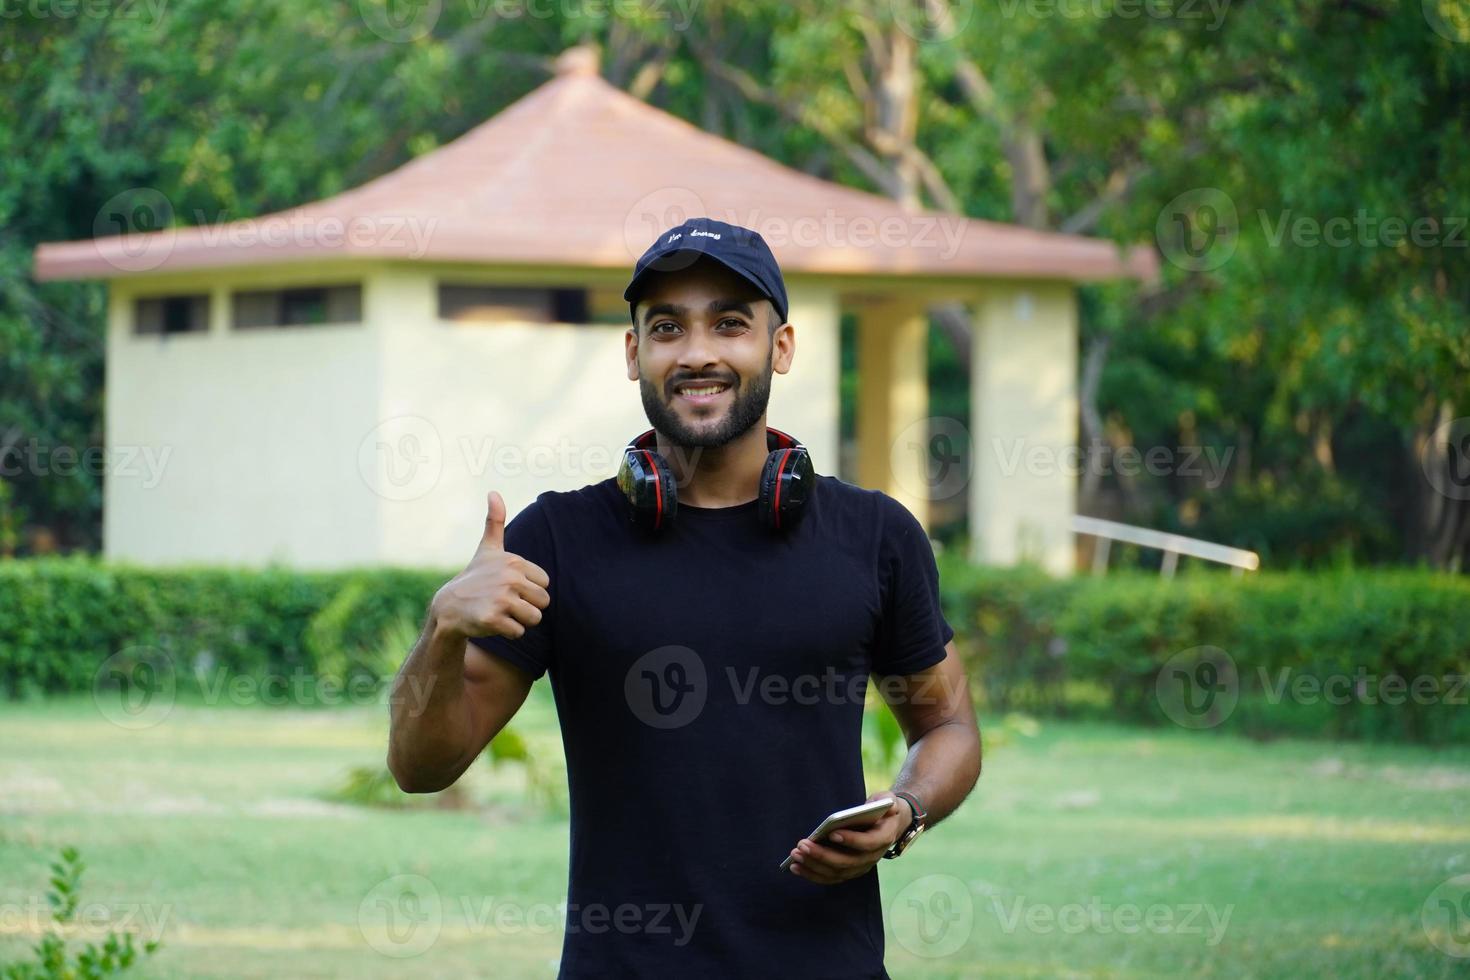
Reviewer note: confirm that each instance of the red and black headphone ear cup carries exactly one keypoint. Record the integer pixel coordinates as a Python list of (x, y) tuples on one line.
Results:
[(648, 483), (786, 481)]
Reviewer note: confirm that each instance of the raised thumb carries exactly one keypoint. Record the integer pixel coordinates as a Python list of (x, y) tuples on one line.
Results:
[(494, 537)]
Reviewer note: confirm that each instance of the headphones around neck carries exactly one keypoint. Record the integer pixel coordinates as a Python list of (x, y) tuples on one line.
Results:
[(648, 482)]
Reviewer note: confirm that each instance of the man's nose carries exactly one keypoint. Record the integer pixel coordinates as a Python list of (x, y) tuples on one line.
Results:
[(698, 352)]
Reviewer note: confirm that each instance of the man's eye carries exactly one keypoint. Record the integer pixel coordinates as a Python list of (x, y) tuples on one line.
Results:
[(732, 322), (657, 326)]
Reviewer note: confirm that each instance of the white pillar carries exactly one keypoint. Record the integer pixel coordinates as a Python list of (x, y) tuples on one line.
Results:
[(1023, 390), (893, 402)]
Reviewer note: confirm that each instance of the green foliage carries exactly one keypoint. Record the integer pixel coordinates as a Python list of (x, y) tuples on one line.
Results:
[(1313, 654), (364, 631), (53, 959), (545, 776), (1316, 110), (1035, 643), (883, 744), (62, 618), (369, 786), (375, 786)]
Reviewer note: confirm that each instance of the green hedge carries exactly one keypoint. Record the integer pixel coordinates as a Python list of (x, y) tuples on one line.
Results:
[(1080, 646), (1318, 654), (60, 619)]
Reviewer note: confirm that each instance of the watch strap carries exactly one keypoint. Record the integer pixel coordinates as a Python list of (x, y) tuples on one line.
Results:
[(920, 814), (914, 829)]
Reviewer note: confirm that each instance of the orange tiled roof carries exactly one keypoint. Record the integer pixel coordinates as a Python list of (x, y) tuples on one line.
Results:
[(580, 174)]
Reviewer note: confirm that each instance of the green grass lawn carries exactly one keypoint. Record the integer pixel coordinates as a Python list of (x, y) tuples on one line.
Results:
[(1086, 851)]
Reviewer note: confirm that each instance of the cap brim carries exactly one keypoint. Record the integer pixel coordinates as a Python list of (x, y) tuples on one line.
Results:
[(678, 259)]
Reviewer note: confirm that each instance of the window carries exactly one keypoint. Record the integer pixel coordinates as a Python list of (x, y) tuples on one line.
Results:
[(298, 306), (161, 315), (512, 304)]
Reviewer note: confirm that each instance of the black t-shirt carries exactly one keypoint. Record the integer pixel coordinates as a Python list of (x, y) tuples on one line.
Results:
[(709, 683)]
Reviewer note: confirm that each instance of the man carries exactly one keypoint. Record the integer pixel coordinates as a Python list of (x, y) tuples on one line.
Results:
[(708, 674)]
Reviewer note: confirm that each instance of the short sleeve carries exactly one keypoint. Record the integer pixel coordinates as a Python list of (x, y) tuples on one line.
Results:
[(529, 535), (913, 631)]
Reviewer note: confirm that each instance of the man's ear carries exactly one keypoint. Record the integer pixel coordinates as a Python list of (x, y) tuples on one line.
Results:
[(630, 350), (783, 348)]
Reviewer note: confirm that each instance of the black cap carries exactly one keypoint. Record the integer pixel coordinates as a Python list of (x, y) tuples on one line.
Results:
[(742, 251)]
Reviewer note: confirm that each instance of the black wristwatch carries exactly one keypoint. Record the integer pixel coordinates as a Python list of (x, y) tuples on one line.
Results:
[(915, 828)]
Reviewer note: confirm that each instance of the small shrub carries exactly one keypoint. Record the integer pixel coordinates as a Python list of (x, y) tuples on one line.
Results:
[(54, 959)]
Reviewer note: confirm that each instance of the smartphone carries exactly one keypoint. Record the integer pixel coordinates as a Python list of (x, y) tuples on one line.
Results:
[(854, 816)]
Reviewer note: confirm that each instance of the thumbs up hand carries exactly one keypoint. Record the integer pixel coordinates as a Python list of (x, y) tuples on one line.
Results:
[(494, 537), (498, 593)]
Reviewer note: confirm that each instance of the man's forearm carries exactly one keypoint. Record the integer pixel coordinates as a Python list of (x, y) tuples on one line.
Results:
[(431, 724), (942, 768)]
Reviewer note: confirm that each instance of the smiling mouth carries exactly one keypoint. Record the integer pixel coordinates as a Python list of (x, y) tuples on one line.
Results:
[(700, 392)]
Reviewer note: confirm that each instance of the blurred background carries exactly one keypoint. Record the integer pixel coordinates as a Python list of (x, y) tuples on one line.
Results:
[(1155, 312)]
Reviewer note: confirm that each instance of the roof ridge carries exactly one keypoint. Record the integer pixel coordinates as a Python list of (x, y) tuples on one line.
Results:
[(569, 173)]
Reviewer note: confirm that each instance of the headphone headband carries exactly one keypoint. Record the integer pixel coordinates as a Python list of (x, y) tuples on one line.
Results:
[(775, 439), (647, 481)]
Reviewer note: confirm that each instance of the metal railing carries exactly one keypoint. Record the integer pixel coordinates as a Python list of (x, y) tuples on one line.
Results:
[(1172, 545)]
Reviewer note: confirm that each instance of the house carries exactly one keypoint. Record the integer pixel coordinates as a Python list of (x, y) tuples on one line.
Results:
[(340, 383)]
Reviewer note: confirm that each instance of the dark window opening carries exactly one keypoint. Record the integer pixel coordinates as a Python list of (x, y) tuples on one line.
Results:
[(513, 304), (298, 306), (161, 315)]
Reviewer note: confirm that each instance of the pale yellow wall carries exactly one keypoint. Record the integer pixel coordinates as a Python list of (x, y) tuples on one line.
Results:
[(1024, 426), (276, 445), (375, 443), (518, 408), (254, 434), (805, 402), (527, 408)]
